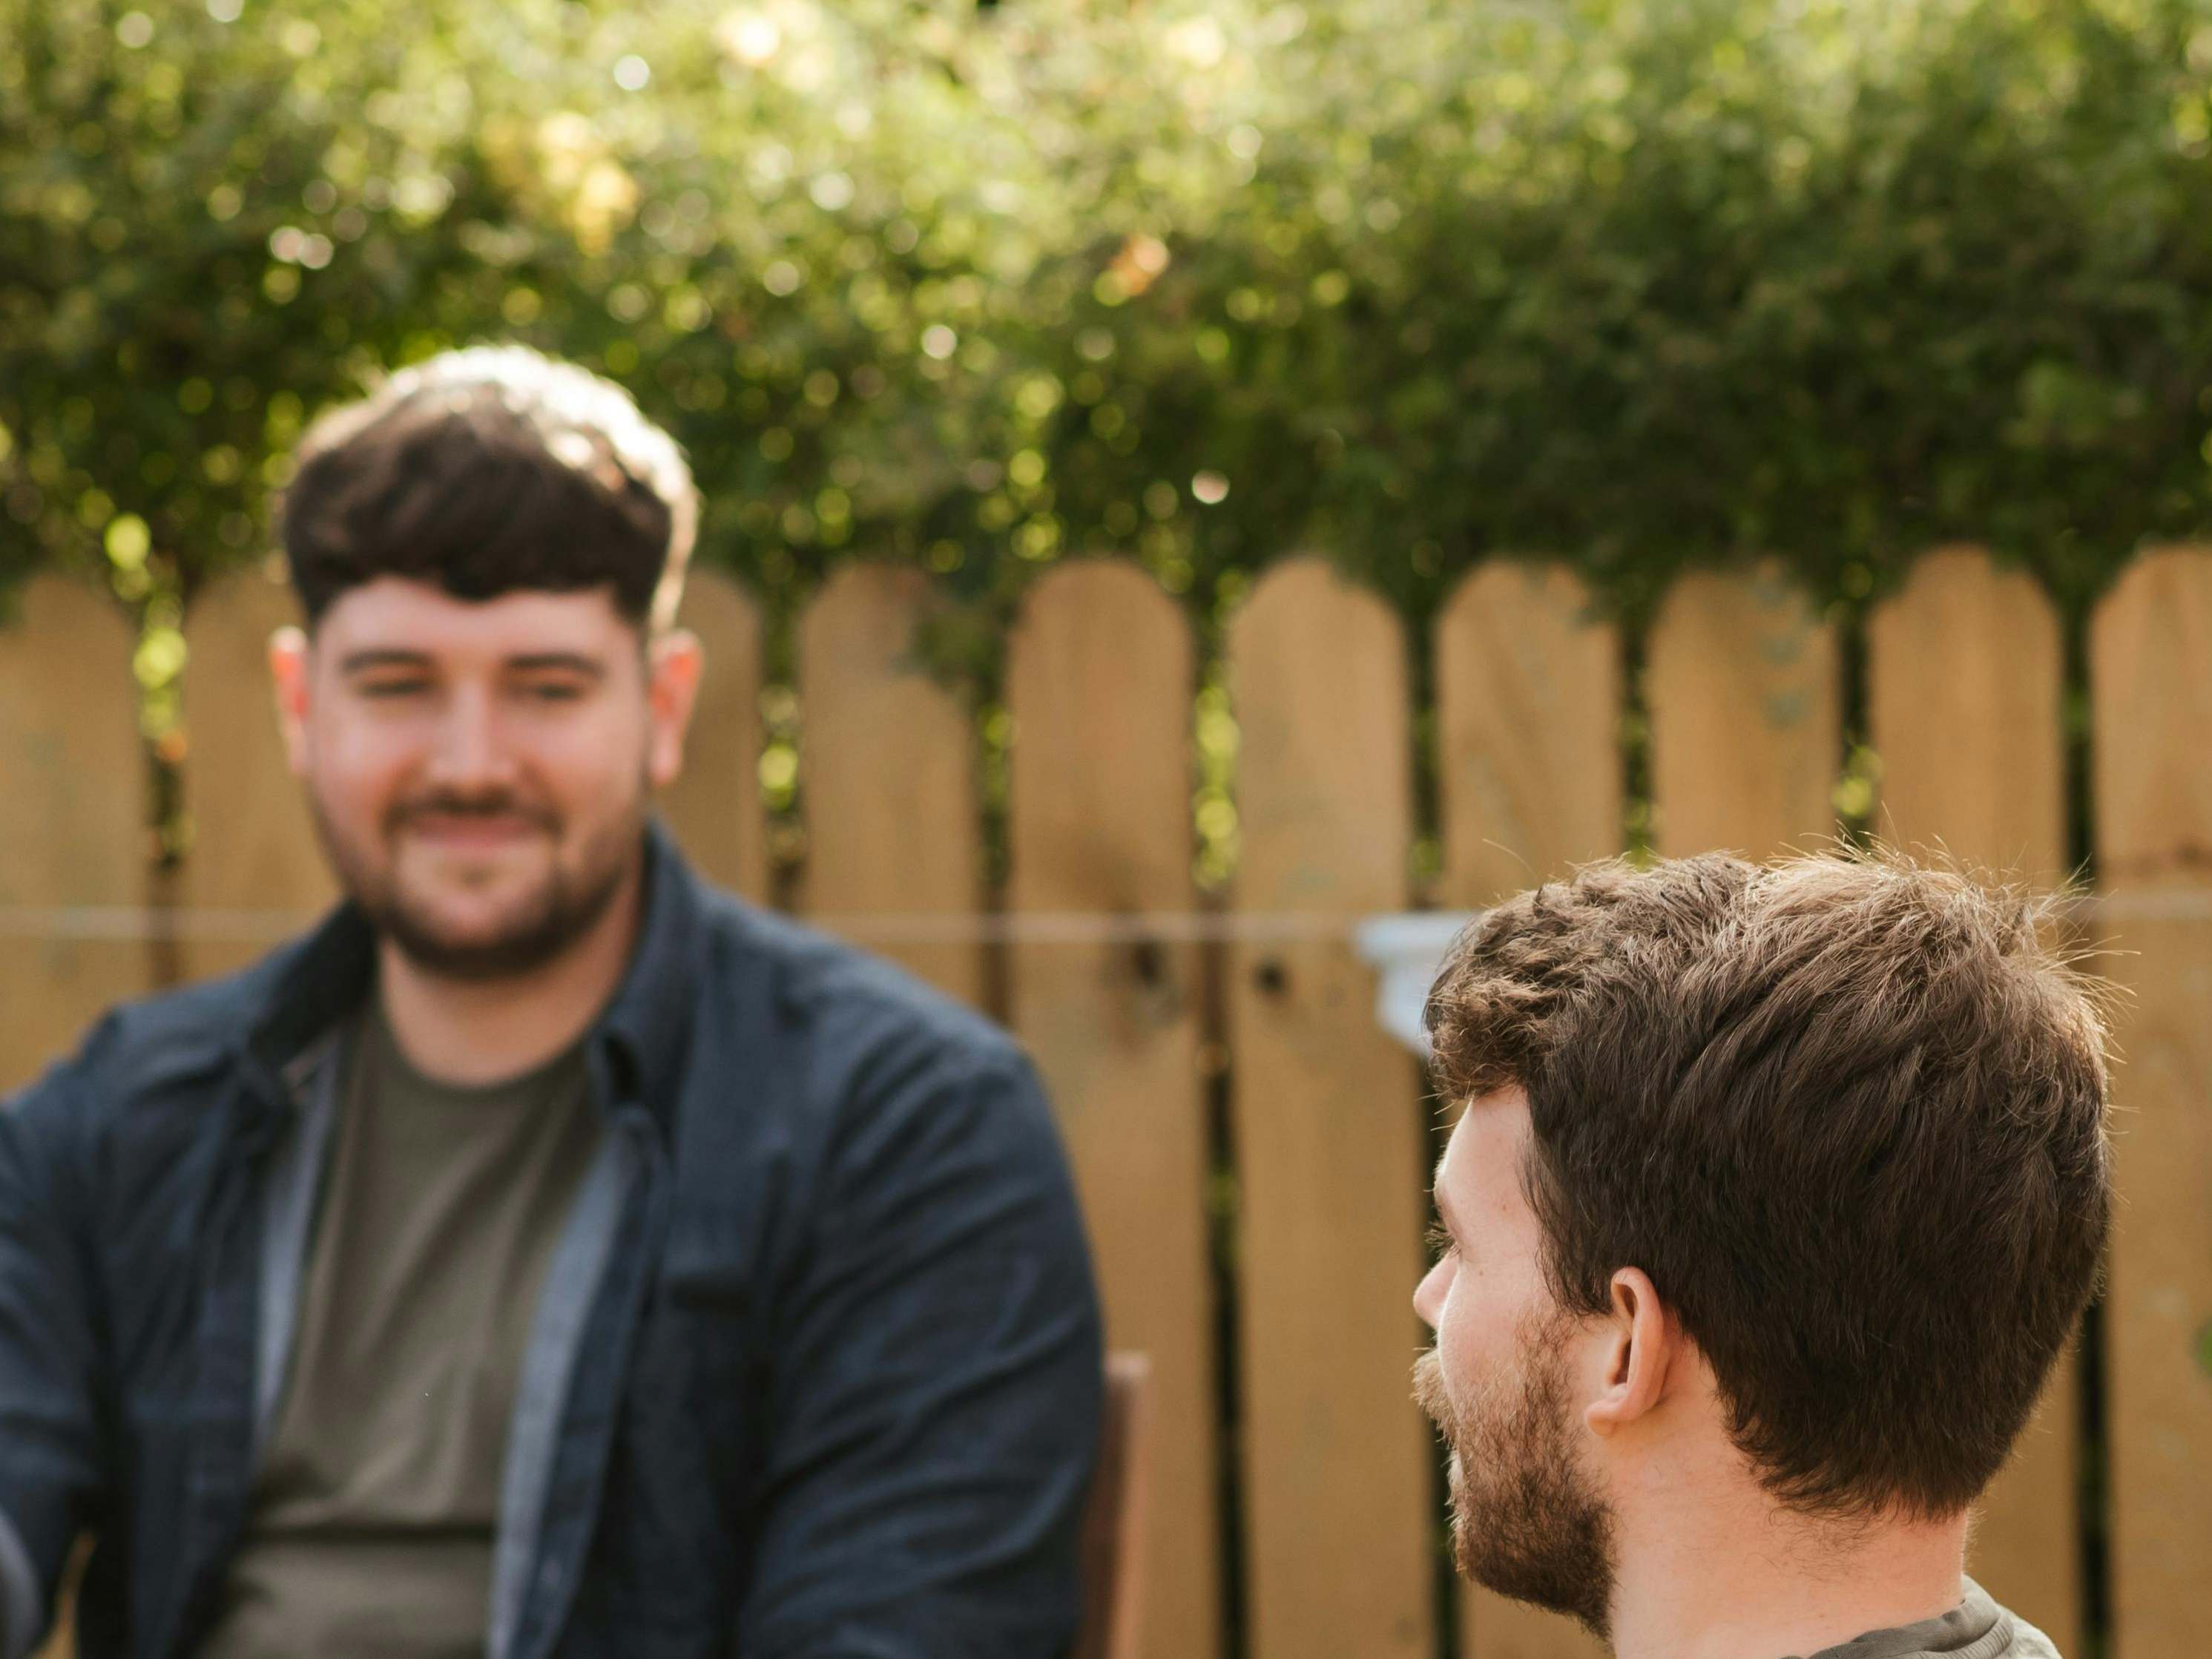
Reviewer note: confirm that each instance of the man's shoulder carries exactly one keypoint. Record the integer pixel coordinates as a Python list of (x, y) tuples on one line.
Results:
[(170, 1042), (109, 1133), (821, 1081), (840, 1000)]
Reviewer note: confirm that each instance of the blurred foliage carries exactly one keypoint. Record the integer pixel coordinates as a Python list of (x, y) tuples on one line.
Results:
[(1410, 281)]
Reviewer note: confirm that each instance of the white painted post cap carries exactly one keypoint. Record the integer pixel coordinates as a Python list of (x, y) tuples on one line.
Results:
[(1407, 949)]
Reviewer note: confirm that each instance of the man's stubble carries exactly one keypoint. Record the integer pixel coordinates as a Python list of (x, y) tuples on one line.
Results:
[(566, 906), (1528, 1520)]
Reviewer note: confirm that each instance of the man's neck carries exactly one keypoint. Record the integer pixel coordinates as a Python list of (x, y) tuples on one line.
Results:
[(1753, 1581), (469, 1032)]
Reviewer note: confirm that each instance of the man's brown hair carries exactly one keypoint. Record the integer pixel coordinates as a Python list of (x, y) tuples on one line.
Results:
[(1848, 1114), (489, 470)]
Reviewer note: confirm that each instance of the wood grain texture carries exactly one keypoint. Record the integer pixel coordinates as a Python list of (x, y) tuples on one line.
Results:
[(1965, 685), (1745, 696), (255, 872), (1529, 709), (714, 807), (1331, 1134), (1527, 723), (72, 818), (1099, 685), (2150, 663), (1965, 681), (893, 820)]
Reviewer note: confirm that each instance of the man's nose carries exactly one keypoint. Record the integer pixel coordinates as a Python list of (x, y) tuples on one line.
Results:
[(1428, 1295), (469, 751)]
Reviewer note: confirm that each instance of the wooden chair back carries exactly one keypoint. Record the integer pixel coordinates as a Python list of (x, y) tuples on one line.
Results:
[(1114, 1515)]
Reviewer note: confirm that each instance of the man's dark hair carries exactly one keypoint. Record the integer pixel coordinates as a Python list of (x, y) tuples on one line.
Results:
[(489, 470), (1846, 1112)]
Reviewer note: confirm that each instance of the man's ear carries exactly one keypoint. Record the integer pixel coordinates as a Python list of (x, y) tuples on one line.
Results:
[(674, 662), (291, 667), (1643, 1344)]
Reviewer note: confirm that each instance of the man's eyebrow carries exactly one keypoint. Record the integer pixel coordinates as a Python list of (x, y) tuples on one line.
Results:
[(381, 656), (1444, 1207), (573, 661)]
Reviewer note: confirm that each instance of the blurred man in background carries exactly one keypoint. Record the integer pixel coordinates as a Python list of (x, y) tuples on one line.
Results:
[(1777, 1193), (549, 1254)]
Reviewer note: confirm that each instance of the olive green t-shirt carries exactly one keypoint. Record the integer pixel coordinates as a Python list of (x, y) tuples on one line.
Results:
[(1978, 1628), (376, 1505)]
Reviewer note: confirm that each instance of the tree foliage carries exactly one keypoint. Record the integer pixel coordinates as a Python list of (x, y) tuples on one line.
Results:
[(1413, 282)]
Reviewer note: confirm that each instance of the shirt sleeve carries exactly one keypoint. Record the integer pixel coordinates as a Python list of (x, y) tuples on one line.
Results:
[(934, 1410), (50, 1457)]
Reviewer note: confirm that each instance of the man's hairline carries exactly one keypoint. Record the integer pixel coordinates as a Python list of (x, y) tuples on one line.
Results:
[(1511, 1092), (649, 632)]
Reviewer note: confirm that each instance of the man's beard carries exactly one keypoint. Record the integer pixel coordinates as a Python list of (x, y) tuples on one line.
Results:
[(567, 905), (1527, 1521)]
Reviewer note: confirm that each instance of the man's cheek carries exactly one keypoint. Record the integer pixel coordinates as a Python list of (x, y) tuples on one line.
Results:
[(1478, 1344), (344, 802), (356, 777)]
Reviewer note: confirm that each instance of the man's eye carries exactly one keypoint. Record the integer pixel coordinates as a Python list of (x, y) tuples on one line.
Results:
[(1440, 1243), (382, 689), (553, 691)]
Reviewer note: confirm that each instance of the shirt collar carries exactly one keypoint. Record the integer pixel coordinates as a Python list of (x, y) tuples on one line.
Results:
[(646, 1025), (301, 993), (1978, 1628)]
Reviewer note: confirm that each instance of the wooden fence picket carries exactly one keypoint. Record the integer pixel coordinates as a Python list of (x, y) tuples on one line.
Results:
[(893, 825), (1529, 776), (1529, 784), (2150, 665), (1099, 685), (714, 807), (73, 822), (1332, 1144), (254, 873), (1965, 687), (1745, 700)]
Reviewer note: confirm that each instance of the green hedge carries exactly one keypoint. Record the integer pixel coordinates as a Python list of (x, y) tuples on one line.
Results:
[(1411, 280)]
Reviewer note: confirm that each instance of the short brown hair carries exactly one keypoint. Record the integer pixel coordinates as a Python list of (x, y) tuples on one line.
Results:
[(488, 470), (1848, 1114)]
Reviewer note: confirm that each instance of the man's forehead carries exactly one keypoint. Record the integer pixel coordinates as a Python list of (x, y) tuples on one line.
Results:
[(1486, 1144), (398, 614)]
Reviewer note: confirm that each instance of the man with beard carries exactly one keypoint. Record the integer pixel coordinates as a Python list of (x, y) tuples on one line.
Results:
[(1776, 1195), (548, 1254)]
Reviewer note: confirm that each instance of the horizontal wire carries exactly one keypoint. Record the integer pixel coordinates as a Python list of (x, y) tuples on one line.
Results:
[(127, 922), (216, 926)]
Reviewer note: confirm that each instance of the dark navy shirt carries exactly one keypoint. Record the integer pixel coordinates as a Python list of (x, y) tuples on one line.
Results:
[(816, 1371)]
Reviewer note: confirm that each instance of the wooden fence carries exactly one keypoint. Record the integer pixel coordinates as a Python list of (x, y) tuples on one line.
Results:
[(1253, 1152)]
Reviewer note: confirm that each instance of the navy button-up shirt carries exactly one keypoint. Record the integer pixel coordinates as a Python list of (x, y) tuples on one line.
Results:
[(816, 1371)]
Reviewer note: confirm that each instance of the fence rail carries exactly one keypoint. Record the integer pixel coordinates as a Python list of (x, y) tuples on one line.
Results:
[(1252, 1150)]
